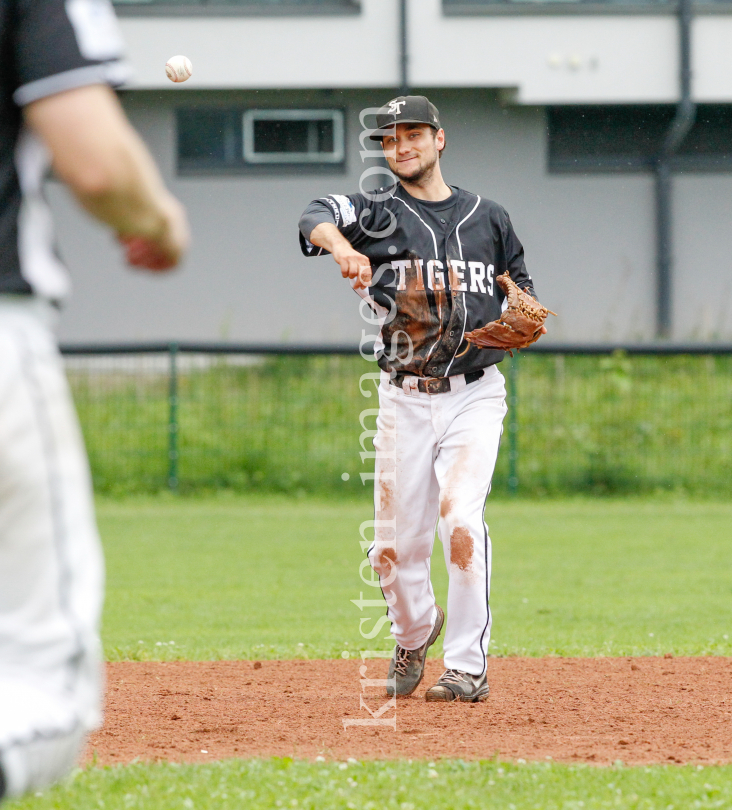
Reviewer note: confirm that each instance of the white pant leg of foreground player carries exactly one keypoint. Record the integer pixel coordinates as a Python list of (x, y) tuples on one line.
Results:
[(445, 446), (51, 570)]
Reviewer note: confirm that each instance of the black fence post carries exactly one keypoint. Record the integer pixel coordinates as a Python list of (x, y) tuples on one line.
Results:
[(513, 426), (173, 418)]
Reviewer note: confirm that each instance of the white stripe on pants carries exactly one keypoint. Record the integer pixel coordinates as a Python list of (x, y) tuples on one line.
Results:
[(51, 573), (435, 456)]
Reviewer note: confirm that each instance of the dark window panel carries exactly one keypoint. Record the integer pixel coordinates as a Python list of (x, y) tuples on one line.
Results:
[(293, 135), (457, 6), (312, 137), (208, 135), (607, 131), (299, 6), (711, 133), (629, 137), (325, 136), (281, 136)]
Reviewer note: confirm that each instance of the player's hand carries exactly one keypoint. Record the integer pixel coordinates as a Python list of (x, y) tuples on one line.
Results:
[(147, 254), (354, 265), (164, 251)]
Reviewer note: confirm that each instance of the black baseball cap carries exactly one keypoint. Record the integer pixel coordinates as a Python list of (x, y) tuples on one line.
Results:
[(406, 110)]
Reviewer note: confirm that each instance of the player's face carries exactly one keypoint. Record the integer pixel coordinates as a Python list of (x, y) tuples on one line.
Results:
[(412, 150)]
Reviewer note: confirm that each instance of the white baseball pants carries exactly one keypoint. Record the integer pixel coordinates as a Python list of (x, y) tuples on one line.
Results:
[(51, 571), (435, 456)]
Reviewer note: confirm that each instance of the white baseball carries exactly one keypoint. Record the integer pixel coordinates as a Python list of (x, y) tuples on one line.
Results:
[(178, 68)]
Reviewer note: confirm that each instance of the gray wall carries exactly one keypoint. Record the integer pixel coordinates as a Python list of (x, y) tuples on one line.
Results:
[(588, 239)]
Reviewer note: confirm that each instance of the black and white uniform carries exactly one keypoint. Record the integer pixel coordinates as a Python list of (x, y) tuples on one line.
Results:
[(434, 266), (51, 571)]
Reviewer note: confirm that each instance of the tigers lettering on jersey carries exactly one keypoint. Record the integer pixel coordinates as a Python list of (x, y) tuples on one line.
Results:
[(479, 280)]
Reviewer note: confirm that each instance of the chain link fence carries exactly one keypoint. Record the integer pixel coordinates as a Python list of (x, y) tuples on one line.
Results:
[(596, 420)]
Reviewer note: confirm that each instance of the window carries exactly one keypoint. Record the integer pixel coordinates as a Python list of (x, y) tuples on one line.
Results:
[(267, 7), (239, 140), (207, 137), (293, 136), (629, 137), (459, 7)]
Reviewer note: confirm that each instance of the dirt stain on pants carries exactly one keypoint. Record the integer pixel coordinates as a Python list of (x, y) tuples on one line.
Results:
[(388, 557), (461, 548)]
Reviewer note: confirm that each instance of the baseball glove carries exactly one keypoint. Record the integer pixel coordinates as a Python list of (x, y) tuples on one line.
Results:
[(519, 325)]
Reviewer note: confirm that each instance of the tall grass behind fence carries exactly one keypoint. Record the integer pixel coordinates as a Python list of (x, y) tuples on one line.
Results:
[(624, 423), (612, 423), (123, 407), (284, 423), (245, 422)]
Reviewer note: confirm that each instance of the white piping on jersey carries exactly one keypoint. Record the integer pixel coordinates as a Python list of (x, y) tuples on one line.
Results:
[(437, 258), (465, 307), (457, 230), (432, 348), (434, 238), (465, 323)]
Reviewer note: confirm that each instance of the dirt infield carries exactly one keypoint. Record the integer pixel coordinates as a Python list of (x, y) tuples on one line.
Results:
[(599, 710)]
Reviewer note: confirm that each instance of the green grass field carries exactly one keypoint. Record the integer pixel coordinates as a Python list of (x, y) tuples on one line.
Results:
[(232, 577), (270, 577), (448, 785)]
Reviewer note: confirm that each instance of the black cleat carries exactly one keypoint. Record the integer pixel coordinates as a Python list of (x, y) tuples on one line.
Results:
[(407, 666), (457, 685)]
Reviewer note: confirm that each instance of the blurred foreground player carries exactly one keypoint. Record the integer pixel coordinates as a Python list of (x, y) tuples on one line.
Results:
[(57, 60)]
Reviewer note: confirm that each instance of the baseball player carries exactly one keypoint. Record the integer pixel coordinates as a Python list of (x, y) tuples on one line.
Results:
[(425, 256), (57, 60)]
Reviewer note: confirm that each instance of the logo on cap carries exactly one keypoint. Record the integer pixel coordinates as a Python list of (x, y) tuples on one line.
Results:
[(395, 107)]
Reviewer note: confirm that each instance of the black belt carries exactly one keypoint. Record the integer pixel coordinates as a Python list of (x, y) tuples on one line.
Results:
[(435, 385)]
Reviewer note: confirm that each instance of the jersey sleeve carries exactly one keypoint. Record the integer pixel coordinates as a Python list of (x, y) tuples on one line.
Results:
[(345, 212), (514, 252), (64, 44)]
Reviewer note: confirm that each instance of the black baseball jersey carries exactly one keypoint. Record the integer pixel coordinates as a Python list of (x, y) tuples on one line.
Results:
[(434, 267), (46, 47)]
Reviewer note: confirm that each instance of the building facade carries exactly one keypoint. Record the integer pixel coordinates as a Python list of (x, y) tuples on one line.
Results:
[(558, 110)]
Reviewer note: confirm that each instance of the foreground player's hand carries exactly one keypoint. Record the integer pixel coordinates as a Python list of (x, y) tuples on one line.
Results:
[(164, 250), (354, 265)]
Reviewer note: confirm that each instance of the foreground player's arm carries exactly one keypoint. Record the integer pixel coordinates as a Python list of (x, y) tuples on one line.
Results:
[(354, 265), (97, 153)]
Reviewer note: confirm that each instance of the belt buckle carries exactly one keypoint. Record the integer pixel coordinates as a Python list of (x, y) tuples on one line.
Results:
[(410, 385), (433, 385)]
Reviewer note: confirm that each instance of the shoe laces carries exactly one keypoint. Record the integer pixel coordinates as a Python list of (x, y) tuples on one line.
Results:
[(453, 676), (401, 663)]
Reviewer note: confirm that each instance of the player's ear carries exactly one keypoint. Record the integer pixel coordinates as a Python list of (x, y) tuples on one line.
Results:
[(440, 141)]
